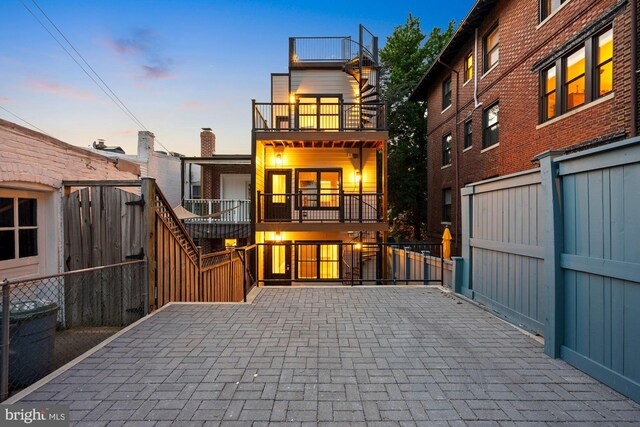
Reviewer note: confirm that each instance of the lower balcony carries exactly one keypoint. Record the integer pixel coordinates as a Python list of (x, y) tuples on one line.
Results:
[(229, 211)]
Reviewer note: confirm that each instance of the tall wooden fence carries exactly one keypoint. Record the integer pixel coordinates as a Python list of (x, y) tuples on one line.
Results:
[(556, 249)]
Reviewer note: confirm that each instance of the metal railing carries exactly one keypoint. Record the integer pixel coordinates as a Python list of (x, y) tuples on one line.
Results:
[(343, 116), (50, 320), (313, 207), (350, 263), (219, 210), (327, 49)]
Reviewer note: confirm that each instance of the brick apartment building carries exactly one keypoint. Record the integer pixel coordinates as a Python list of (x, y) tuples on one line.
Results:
[(520, 77)]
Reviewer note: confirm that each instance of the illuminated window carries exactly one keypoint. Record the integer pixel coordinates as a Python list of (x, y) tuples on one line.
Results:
[(468, 67), (318, 188), (491, 48), (279, 187), (584, 78), (278, 259), (549, 93), (230, 242), (318, 260), (604, 63), (318, 112)]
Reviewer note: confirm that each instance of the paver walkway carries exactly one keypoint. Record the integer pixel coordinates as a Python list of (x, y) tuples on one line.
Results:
[(383, 356)]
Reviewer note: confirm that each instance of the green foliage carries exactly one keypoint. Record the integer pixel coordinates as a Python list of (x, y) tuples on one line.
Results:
[(405, 58)]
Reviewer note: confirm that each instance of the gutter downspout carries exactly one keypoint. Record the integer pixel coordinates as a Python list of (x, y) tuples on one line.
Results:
[(475, 72), (456, 166), (634, 69)]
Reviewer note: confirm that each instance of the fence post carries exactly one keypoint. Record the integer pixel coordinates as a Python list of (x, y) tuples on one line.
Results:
[(259, 203), (6, 318), (456, 274), (407, 264), (149, 240), (466, 194), (393, 263), (553, 246), (425, 272)]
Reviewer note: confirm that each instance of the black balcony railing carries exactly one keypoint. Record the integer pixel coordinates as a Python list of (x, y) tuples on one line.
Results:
[(268, 116), (313, 207)]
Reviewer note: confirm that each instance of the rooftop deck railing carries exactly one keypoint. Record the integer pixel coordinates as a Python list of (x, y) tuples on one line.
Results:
[(332, 117), (328, 49)]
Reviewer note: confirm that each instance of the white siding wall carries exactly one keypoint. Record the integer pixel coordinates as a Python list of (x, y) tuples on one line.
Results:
[(324, 82), (279, 88)]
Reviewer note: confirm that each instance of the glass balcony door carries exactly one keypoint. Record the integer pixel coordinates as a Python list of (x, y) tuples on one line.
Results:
[(318, 112)]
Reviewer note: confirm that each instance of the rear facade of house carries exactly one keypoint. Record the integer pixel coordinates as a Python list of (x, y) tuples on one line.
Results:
[(521, 77), (319, 149)]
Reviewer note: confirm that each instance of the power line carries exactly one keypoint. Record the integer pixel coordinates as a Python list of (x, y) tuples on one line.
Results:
[(23, 120), (112, 96)]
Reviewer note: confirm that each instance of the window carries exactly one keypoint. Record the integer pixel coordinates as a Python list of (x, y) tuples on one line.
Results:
[(446, 93), (491, 48), (446, 150), (195, 191), (446, 205), (580, 77), (574, 79), (468, 134), (468, 67), (319, 189), (490, 125), (18, 228), (318, 112), (549, 93), (318, 260), (547, 7), (604, 63)]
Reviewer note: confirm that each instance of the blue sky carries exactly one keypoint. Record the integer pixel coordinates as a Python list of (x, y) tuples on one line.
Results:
[(177, 65)]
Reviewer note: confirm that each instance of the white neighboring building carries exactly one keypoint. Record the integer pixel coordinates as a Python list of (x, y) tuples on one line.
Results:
[(164, 167)]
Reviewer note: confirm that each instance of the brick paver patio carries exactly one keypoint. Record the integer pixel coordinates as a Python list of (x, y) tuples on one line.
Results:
[(375, 356)]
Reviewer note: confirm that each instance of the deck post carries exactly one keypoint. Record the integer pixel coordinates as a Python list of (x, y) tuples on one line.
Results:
[(6, 318), (149, 196)]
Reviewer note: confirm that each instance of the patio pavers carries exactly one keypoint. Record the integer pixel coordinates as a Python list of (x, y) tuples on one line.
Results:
[(331, 356)]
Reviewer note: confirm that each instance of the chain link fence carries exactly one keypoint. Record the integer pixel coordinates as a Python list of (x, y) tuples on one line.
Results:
[(54, 319)]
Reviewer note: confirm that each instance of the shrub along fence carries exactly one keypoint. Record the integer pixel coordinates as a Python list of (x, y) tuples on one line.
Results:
[(556, 250)]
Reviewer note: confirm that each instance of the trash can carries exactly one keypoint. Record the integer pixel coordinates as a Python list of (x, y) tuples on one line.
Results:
[(32, 329)]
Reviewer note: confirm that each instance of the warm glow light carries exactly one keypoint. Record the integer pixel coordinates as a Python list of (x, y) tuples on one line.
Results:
[(358, 176), (279, 159), (292, 99), (230, 242), (278, 237), (358, 246)]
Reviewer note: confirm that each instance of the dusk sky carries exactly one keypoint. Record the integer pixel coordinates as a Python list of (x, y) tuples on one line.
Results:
[(177, 65)]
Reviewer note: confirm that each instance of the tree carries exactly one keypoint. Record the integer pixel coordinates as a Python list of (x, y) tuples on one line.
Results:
[(405, 59)]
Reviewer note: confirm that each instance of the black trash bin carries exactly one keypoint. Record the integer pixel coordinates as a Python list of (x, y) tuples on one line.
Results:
[(32, 329)]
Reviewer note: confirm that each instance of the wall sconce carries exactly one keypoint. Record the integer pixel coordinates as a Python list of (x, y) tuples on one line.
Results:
[(358, 246), (278, 159), (358, 176), (292, 98), (277, 237)]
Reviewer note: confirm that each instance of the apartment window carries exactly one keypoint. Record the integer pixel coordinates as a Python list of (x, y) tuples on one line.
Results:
[(549, 96), (547, 7), (318, 260), (195, 191), (446, 205), (446, 150), (18, 228), (468, 134), (491, 48), (446, 93), (318, 189), (604, 63), (490, 125), (582, 76), (468, 67)]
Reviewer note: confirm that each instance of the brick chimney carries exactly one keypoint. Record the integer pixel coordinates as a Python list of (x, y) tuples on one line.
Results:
[(207, 142)]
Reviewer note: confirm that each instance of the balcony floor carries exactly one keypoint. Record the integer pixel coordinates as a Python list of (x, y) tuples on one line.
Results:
[(385, 355)]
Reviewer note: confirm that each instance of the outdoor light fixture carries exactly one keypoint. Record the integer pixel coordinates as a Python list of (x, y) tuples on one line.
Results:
[(358, 246), (292, 99), (358, 175), (278, 159), (278, 237)]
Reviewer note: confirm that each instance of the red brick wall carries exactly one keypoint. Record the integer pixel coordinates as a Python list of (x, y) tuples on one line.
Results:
[(515, 85)]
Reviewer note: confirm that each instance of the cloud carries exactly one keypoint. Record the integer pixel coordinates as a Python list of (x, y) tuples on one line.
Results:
[(126, 132), (142, 47), (43, 86), (5, 99), (193, 106)]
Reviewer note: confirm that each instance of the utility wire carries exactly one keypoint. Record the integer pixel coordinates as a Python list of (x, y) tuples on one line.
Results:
[(23, 120), (111, 95)]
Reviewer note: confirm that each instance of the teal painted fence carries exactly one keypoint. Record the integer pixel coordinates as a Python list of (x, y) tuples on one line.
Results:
[(503, 241), (586, 253)]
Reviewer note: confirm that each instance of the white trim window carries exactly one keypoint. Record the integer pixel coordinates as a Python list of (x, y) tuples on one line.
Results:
[(18, 228)]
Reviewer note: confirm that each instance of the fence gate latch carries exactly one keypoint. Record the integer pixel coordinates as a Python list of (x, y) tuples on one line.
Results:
[(139, 255), (136, 202)]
